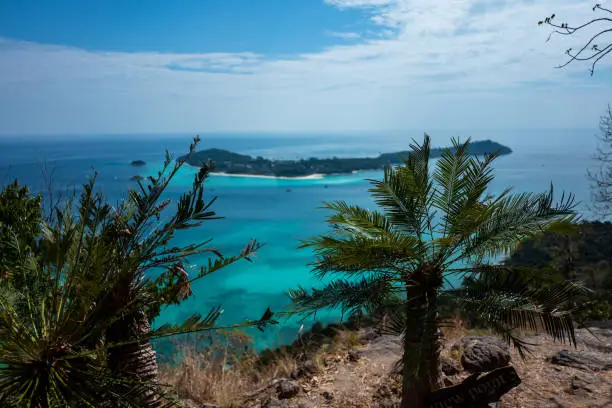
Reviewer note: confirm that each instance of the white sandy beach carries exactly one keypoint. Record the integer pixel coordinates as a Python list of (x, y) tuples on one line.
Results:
[(310, 177)]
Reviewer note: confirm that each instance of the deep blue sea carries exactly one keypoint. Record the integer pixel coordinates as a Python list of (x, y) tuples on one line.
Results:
[(277, 212)]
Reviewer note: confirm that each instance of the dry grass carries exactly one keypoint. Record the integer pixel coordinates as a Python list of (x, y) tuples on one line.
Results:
[(202, 379), (357, 383), (208, 377), (455, 330), (458, 328), (223, 370), (345, 340)]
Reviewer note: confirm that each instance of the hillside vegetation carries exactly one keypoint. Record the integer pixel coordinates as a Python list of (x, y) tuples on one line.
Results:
[(235, 163)]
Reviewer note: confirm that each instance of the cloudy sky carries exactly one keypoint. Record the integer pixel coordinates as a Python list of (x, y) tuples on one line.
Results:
[(129, 66)]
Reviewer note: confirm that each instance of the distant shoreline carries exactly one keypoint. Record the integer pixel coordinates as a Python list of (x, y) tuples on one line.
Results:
[(227, 163), (310, 177), (261, 176)]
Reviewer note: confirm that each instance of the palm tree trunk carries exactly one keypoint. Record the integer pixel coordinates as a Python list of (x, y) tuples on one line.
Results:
[(421, 343), (134, 361)]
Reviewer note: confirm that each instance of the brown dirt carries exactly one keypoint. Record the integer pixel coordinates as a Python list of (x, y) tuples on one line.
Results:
[(346, 381), (545, 385)]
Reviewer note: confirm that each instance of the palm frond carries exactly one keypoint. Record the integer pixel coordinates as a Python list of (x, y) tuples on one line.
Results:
[(174, 284), (193, 323), (42, 365), (198, 323), (347, 295), (358, 221), (354, 254), (404, 191), (469, 208), (514, 218), (449, 176), (510, 302)]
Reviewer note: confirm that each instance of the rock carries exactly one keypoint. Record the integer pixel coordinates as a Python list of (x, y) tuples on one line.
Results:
[(482, 353), (583, 360), (307, 404), (328, 395), (136, 178), (288, 389), (354, 356), (597, 338), (273, 403), (580, 386), (449, 366), (384, 345), (138, 163), (209, 405), (308, 368)]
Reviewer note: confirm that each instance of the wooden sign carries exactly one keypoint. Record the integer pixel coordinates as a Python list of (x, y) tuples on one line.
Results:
[(476, 392)]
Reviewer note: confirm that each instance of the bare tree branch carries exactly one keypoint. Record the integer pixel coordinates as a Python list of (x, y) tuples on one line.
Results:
[(590, 51)]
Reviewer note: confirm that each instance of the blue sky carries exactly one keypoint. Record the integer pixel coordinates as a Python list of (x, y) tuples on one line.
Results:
[(273, 27), (127, 66)]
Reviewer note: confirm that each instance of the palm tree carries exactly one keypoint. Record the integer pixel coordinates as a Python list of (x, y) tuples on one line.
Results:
[(435, 223), (140, 243), (99, 276)]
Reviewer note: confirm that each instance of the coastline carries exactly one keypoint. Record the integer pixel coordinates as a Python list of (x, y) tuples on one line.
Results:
[(316, 176), (309, 177)]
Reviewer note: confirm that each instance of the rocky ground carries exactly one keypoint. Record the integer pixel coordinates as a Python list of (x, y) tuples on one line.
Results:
[(555, 375)]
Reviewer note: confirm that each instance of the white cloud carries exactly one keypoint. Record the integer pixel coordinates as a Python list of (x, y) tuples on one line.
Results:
[(458, 64), (358, 3), (345, 35)]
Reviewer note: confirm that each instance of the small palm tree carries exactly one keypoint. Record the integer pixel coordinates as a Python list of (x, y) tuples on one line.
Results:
[(77, 332), (434, 224)]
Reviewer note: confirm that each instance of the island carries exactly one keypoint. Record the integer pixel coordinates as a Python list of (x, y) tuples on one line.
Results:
[(138, 163), (136, 178), (231, 163)]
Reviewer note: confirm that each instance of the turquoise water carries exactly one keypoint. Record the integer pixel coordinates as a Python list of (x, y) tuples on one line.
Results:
[(264, 208)]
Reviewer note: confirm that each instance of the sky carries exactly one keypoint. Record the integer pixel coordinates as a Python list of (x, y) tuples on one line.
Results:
[(291, 66)]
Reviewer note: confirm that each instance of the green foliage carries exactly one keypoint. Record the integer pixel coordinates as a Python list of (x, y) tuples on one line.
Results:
[(434, 222), (581, 254), (523, 299), (235, 163), (20, 220), (92, 271)]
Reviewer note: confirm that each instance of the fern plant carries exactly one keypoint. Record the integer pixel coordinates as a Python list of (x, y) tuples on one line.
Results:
[(437, 221)]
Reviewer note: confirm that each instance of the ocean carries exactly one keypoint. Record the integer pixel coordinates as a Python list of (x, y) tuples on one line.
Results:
[(279, 213)]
